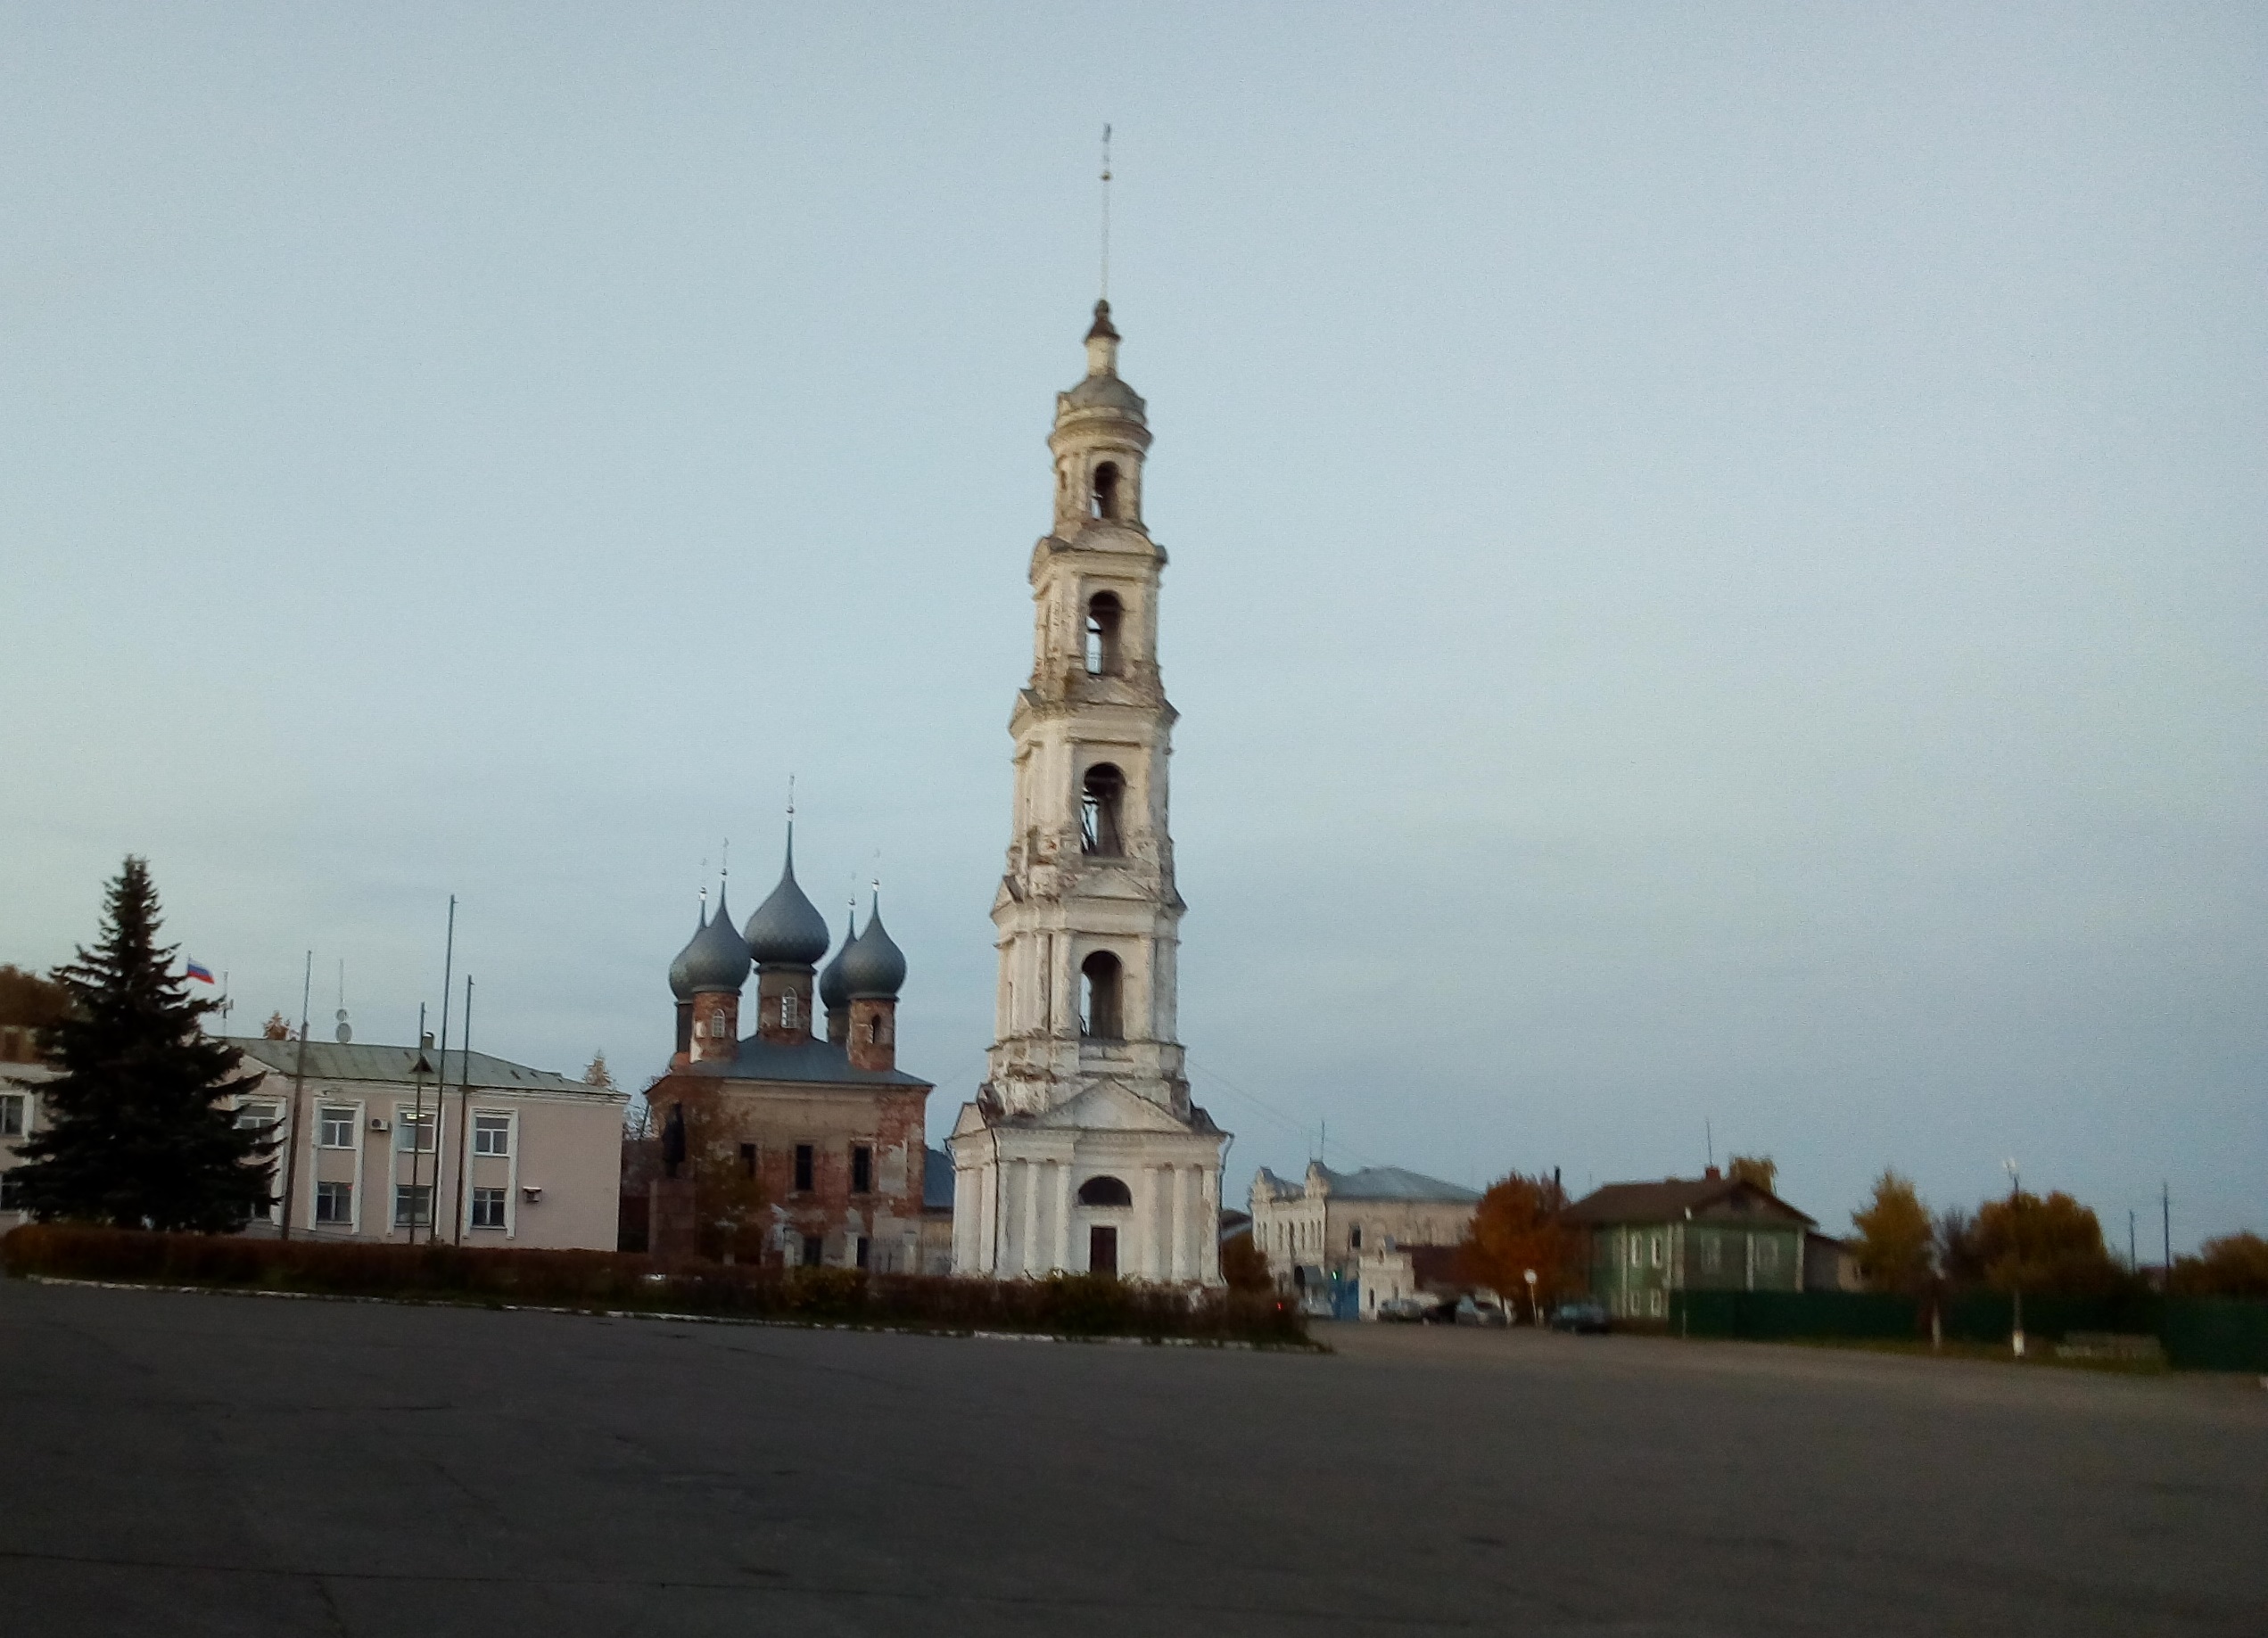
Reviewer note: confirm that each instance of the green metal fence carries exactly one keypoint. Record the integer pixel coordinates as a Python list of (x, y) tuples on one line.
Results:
[(1989, 1316), (2199, 1333), (2212, 1333), (1782, 1316)]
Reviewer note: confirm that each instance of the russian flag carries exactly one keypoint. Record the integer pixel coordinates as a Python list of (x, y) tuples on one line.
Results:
[(203, 975)]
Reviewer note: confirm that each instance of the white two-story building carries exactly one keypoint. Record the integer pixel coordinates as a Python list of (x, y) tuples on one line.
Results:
[(475, 1151), (478, 1152)]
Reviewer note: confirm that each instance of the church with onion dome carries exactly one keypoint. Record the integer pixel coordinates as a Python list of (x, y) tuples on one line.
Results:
[(818, 1118)]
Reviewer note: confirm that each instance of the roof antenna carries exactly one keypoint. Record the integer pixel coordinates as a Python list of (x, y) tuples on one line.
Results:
[(1105, 213), (345, 1032), (1709, 1136)]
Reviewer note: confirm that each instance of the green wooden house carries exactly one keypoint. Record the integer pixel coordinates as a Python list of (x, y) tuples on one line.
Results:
[(1711, 1233)]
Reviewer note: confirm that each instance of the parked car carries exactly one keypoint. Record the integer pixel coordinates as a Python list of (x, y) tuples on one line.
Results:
[(1440, 1311), (1402, 1309), (1471, 1313), (1581, 1318)]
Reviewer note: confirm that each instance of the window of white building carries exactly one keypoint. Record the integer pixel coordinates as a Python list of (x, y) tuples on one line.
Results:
[(413, 1205), (11, 1115), (491, 1135), (338, 1126), (335, 1203), (488, 1208), (416, 1134)]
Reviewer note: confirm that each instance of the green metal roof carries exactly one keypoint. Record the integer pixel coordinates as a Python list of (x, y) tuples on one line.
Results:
[(329, 1061)]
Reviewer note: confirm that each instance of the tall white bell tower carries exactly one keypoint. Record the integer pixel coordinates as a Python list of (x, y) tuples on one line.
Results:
[(1083, 1151)]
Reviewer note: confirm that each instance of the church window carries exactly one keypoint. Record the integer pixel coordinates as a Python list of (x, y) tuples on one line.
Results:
[(814, 1251), (802, 1168), (1355, 1236), (861, 1168), (747, 1160), (1101, 797), (1106, 489), (1105, 1191), (859, 1244), (788, 1010), (1104, 615), (1099, 988)]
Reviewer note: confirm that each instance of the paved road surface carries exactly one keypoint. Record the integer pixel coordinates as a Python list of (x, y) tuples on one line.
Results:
[(187, 1464)]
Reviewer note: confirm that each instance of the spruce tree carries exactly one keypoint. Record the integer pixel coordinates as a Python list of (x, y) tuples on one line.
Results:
[(133, 1133)]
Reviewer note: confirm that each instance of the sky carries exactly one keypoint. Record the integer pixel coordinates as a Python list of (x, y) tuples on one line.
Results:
[(1717, 591)]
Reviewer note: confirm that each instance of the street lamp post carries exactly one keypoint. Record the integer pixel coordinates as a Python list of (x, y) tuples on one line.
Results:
[(1534, 1312), (2016, 1195)]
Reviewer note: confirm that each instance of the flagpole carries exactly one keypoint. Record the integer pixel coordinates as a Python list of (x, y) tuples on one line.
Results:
[(417, 1121), (448, 972), (464, 1115), (299, 1085)]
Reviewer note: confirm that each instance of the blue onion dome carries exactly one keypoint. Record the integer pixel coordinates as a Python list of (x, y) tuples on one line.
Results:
[(717, 960), (681, 980), (874, 967), (834, 989), (786, 930)]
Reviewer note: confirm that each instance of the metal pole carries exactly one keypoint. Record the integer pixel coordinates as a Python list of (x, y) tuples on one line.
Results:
[(464, 1094), (299, 1083), (440, 1085), (417, 1119), (2166, 1204), (2016, 1196)]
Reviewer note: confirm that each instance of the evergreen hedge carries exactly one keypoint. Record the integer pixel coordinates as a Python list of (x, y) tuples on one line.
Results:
[(1068, 1305)]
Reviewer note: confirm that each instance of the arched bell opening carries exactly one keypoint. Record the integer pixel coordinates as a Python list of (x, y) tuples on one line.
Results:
[(1105, 615), (1102, 794), (1100, 980)]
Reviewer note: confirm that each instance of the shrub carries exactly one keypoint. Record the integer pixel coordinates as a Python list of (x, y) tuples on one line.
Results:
[(1069, 1304)]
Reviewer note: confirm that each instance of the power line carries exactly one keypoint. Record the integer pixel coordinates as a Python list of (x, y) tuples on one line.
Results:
[(1211, 1072)]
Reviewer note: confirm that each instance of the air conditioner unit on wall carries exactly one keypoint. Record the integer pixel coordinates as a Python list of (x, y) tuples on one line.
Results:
[(378, 1123)]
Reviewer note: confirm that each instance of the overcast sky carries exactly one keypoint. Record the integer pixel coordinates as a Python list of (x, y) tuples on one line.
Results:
[(1717, 554)]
